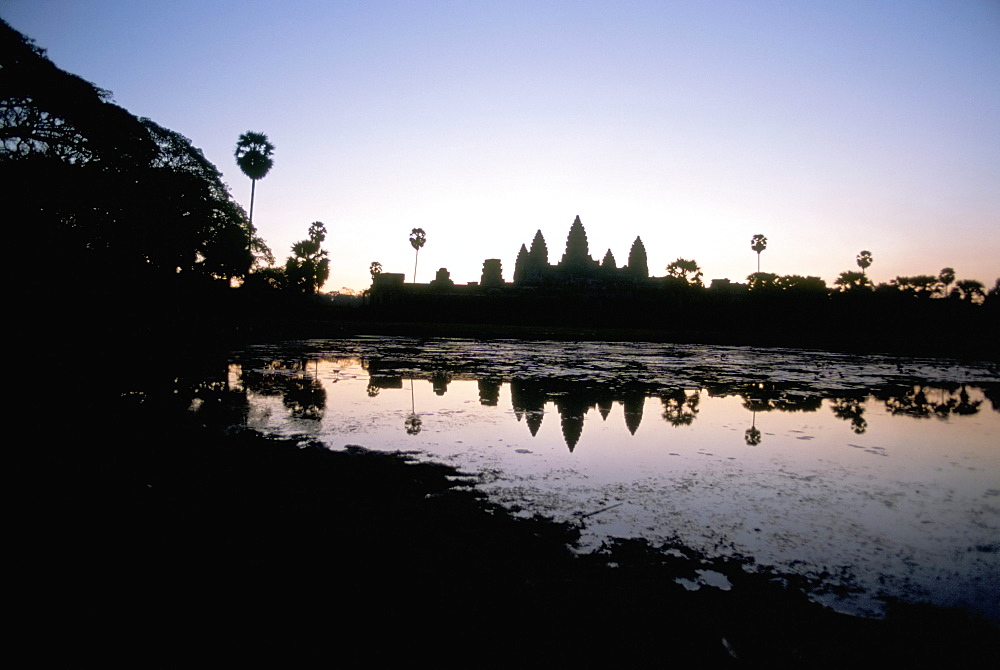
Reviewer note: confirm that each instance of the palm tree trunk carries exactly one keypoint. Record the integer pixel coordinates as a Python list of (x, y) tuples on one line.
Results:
[(416, 256), (253, 187)]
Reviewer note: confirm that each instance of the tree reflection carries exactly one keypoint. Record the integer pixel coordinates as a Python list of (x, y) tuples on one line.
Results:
[(300, 390), (305, 397), (853, 410), (680, 408), (413, 422), (923, 401), (752, 436)]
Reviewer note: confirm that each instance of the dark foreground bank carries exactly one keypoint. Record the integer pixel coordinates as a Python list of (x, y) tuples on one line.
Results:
[(160, 538)]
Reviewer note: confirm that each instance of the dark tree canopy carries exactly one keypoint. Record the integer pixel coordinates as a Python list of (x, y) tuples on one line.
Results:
[(253, 154), (119, 202), (308, 268), (686, 271)]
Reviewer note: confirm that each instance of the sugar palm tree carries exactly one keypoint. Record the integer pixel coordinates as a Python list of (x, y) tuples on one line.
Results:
[(417, 239), (864, 261), (758, 243), (946, 277), (253, 155)]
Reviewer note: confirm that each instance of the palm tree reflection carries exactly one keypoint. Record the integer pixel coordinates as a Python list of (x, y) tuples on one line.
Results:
[(753, 435), (413, 422)]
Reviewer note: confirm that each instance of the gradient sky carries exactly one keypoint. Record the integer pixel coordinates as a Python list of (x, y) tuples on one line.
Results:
[(828, 126)]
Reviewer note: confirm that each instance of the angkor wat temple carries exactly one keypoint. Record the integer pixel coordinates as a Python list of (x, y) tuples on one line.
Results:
[(576, 270)]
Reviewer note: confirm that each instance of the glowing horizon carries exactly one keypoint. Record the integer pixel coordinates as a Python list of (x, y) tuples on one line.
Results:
[(830, 127)]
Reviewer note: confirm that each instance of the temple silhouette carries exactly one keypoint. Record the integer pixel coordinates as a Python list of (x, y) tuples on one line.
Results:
[(575, 271)]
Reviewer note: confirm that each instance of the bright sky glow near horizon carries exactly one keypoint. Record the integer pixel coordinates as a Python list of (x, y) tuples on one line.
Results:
[(828, 126)]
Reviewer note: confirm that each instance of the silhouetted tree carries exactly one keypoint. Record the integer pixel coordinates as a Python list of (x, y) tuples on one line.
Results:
[(864, 261), (308, 268), (852, 281), (375, 269), (758, 243), (946, 277), (762, 281), (800, 285), (120, 201), (918, 286), (638, 267), (686, 270), (971, 290), (253, 155), (417, 239), (995, 291)]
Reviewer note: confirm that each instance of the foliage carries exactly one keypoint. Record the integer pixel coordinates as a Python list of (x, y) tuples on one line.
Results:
[(375, 269), (686, 270), (308, 268), (799, 284), (762, 281), (852, 281), (417, 240), (918, 286), (253, 154), (119, 201), (864, 261), (971, 290), (946, 277), (758, 243)]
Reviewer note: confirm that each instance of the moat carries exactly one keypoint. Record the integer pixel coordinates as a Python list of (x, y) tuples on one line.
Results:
[(876, 476)]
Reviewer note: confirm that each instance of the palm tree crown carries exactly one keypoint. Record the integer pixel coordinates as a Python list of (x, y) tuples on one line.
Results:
[(253, 154), (417, 239), (864, 260), (758, 243)]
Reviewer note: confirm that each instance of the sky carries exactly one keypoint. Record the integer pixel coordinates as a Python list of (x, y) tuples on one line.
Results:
[(830, 127)]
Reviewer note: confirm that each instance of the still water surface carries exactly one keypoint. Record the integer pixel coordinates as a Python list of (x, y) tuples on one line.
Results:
[(881, 474)]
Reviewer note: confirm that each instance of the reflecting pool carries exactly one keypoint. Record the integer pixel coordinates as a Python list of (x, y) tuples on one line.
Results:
[(877, 475)]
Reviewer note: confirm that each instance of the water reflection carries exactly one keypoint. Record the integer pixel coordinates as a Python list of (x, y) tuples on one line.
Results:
[(814, 462), (298, 385)]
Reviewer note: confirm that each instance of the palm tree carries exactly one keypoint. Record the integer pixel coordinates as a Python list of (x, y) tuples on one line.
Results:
[(253, 155), (864, 260), (417, 239), (946, 277), (758, 243)]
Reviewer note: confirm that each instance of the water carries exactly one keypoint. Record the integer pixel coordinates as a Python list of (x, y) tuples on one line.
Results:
[(878, 476)]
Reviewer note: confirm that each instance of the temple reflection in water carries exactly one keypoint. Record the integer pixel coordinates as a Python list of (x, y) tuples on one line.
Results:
[(299, 384)]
